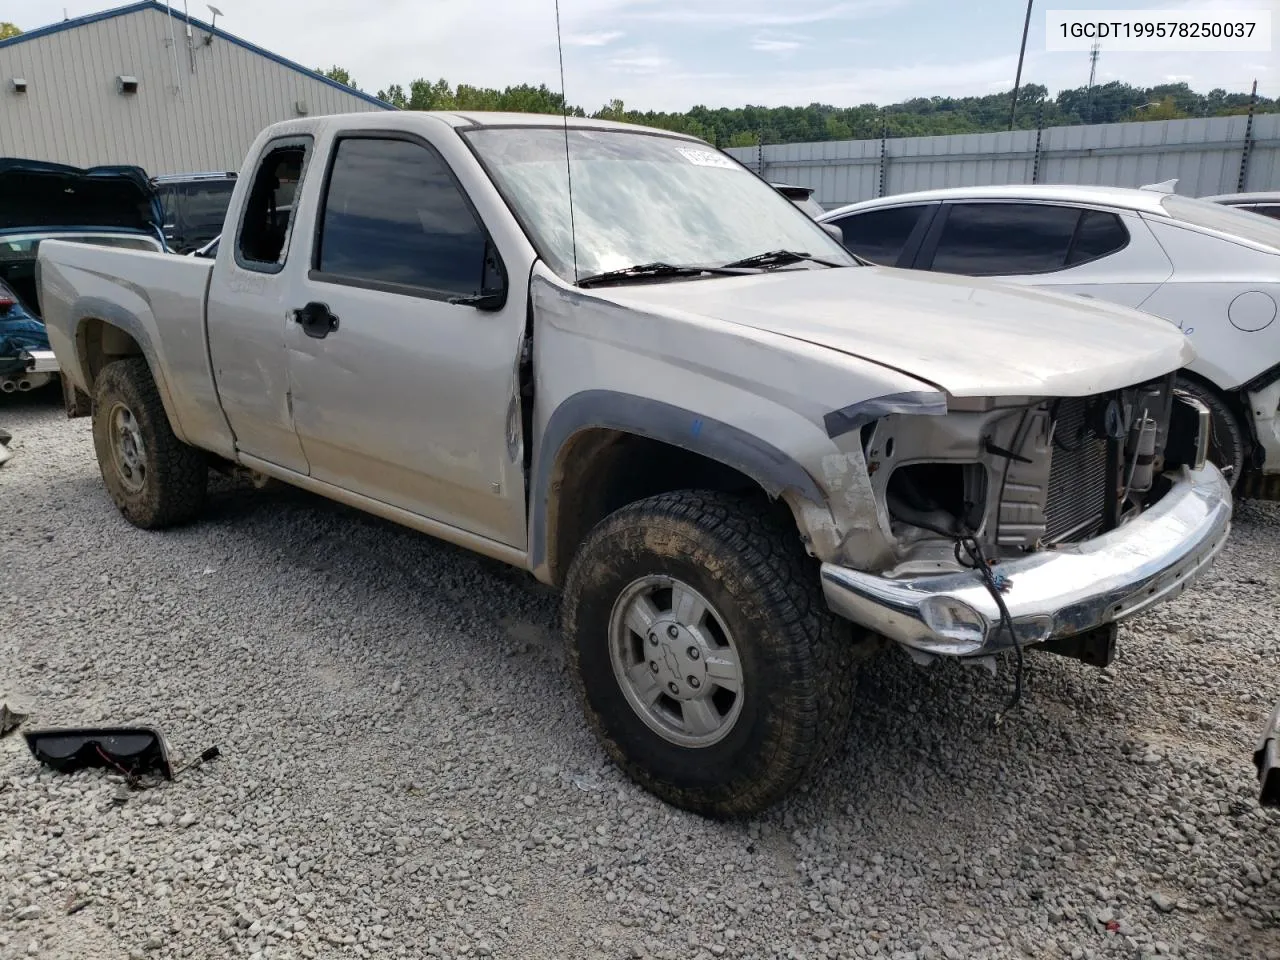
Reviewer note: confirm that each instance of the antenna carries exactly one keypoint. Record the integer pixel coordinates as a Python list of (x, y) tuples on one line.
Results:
[(568, 169), (191, 48), (173, 50)]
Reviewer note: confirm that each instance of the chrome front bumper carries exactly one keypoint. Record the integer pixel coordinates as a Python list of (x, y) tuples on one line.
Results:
[(1055, 592)]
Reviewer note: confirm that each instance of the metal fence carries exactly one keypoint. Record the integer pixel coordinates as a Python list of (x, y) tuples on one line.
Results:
[(1206, 156)]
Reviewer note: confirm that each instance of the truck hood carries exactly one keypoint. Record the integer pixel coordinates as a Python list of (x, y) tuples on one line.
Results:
[(35, 195), (965, 336)]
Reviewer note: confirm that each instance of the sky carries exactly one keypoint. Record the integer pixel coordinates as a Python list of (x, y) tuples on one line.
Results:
[(673, 54)]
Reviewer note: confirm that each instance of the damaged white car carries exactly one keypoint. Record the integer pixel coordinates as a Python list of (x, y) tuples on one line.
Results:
[(745, 459)]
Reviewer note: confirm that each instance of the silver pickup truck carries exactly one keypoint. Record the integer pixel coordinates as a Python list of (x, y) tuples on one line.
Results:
[(744, 458)]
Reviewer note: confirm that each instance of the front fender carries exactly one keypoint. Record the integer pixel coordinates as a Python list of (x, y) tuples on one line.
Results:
[(776, 473), (779, 410)]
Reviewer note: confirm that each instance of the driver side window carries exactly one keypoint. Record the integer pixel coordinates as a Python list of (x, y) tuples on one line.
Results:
[(395, 218)]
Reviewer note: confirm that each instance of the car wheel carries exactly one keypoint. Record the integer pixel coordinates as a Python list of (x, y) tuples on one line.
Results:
[(1227, 440), (154, 478), (703, 652)]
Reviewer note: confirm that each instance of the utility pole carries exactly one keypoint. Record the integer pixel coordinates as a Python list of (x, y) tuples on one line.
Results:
[(1248, 141), (1093, 72), (1022, 52)]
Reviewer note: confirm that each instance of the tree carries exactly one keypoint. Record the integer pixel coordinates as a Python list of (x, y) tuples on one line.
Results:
[(431, 96), (395, 96), (340, 75), (613, 110), (1166, 109), (920, 116), (8, 30)]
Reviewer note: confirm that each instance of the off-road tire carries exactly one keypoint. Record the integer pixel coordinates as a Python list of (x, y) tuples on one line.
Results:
[(1228, 442), (797, 657), (177, 475)]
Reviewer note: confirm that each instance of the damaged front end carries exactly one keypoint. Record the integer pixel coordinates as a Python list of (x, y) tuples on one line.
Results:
[(1087, 510)]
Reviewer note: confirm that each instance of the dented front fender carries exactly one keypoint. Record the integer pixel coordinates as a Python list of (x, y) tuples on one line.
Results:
[(784, 412)]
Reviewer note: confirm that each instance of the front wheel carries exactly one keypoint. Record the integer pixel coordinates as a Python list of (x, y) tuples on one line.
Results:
[(154, 478), (703, 652)]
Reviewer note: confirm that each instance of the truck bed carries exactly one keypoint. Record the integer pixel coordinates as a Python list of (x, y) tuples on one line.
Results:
[(157, 298)]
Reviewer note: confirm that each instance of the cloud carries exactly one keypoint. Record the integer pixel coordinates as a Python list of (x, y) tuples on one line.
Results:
[(758, 13), (783, 43), (672, 54), (601, 39), (639, 61)]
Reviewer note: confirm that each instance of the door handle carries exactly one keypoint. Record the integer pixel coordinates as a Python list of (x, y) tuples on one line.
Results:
[(316, 320)]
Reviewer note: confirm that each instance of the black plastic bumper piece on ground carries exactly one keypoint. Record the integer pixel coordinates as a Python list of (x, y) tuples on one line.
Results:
[(1097, 647), (1267, 759)]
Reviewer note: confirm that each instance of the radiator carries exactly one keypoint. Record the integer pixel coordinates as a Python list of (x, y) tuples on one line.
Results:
[(1076, 503)]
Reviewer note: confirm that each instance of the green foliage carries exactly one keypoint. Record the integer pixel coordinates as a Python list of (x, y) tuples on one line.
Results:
[(439, 95), (1166, 109), (922, 116), (395, 96), (340, 75), (8, 30)]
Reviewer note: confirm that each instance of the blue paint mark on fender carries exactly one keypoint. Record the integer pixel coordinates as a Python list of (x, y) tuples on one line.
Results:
[(695, 427)]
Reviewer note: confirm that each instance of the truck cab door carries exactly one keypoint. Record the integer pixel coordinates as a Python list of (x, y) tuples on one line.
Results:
[(403, 357), (249, 309)]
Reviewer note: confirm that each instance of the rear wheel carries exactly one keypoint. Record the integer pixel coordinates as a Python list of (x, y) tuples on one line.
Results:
[(703, 652), (1228, 442), (154, 478)]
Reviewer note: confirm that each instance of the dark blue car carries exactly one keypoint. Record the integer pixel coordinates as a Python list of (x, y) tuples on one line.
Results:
[(115, 205)]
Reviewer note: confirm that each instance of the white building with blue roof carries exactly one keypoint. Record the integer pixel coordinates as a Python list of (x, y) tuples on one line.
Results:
[(143, 84)]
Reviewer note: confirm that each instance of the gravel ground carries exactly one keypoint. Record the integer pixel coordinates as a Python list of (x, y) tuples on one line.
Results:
[(405, 774)]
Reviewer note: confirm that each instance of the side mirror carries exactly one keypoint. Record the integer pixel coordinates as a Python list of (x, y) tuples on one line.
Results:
[(834, 232), (488, 300), (493, 289)]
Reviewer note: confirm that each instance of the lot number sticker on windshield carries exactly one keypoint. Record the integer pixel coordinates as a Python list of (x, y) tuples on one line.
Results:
[(707, 158)]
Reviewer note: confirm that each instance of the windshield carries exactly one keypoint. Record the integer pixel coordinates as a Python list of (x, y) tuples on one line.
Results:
[(639, 199), (1216, 216), (194, 211), (205, 204)]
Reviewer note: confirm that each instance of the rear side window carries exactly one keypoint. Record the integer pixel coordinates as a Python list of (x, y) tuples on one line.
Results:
[(393, 214), (1099, 233), (263, 243), (880, 235), (993, 239)]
